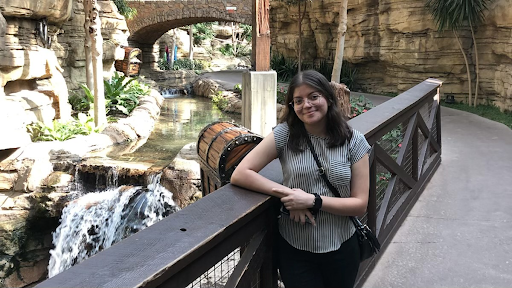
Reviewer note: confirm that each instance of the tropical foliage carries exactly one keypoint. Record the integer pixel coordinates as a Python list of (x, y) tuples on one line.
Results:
[(121, 94), (456, 15), (124, 9), (237, 51), (202, 31), (83, 125), (246, 32), (220, 101)]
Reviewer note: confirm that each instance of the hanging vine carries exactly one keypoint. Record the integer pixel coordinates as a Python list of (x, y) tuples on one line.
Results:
[(124, 9)]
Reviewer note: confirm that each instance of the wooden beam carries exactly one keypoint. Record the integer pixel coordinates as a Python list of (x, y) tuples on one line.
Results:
[(261, 35)]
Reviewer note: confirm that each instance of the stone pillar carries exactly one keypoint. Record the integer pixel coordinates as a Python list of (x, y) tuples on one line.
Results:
[(259, 101)]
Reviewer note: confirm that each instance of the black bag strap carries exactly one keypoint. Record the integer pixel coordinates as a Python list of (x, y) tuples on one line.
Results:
[(333, 189)]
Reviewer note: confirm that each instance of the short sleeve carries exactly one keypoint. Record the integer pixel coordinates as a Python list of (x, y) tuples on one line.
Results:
[(281, 134), (358, 147)]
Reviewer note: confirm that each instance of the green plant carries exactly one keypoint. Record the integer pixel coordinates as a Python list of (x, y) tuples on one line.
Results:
[(202, 31), (163, 64), (348, 75), (81, 103), (285, 68), (116, 97), (121, 94), (325, 68), (58, 131), (238, 88), (359, 105), (246, 32), (124, 9), (220, 101), (490, 112), (226, 49), (454, 15), (281, 94)]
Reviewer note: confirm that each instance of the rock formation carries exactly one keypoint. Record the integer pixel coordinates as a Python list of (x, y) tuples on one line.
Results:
[(395, 45)]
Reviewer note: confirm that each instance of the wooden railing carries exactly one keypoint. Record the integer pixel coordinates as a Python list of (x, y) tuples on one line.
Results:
[(226, 239)]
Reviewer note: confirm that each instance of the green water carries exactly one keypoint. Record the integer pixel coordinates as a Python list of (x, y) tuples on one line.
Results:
[(181, 120)]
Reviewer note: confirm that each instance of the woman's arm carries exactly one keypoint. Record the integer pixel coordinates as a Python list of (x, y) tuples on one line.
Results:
[(356, 204), (246, 173)]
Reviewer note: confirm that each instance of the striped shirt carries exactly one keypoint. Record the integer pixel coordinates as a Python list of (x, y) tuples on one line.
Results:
[(301, 171)]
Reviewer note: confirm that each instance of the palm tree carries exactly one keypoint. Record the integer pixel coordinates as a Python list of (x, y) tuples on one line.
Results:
[(454, 15)]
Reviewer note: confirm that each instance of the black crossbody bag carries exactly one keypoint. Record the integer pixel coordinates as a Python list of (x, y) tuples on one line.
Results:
[(368, 243)]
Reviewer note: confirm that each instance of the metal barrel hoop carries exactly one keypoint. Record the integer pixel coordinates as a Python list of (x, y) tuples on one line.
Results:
[(246, 138)]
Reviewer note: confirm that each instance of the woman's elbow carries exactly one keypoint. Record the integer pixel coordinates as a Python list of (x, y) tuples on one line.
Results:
[(361, 211), (236, 177)]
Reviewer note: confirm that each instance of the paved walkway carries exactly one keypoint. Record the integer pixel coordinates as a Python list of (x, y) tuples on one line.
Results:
[(459, 233)]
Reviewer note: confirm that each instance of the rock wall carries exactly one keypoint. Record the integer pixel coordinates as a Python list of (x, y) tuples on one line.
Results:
[(394, 45), (35, 182), (70, 47), (42, 57)]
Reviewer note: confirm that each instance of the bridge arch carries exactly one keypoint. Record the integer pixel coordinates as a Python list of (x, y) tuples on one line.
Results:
[(155, 17)]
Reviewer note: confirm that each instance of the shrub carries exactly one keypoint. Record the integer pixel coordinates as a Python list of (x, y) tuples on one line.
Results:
[(359, 105), (58, 131), (281, 94), (238, 88), (247, 32), (202, 31), (121, 94), (241, 50), (285, 68), (81, 103), (187, 64), (348, 75), (124, 9), (220, 101), (163, 64)]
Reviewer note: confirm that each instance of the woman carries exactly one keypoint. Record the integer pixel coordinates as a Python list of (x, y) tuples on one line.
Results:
[(314, 250)]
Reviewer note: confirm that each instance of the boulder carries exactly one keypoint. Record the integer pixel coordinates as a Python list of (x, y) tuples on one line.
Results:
[(57, 11), (183, 177)]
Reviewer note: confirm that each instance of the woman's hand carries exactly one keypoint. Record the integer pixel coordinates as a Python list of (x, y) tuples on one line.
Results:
[(301, 215), (295, 199)]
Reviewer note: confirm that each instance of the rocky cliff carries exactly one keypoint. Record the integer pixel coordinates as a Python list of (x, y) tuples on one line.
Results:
[(394, 45), (41, 58)]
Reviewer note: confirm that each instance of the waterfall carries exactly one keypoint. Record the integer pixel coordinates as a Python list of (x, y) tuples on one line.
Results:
[(172, 92), (97, 220)]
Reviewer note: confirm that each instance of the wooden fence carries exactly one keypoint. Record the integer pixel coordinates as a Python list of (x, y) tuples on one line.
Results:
[(226, 239)]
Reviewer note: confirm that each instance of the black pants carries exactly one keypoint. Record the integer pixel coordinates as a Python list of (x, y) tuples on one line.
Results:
[(336, 269)]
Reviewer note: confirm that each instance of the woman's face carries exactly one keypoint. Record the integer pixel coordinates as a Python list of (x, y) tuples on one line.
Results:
[(309, 105)]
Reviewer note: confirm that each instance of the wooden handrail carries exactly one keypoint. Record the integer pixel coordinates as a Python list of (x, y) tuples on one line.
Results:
[(178, 249)]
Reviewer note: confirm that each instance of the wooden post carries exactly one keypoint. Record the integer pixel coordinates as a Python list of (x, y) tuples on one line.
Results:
[(261, 35)]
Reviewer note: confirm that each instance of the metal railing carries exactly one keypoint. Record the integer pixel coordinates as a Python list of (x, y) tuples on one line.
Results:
[(227, 238)]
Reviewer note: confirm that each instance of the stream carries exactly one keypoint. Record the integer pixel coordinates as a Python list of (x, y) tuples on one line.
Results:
[(96, 221)]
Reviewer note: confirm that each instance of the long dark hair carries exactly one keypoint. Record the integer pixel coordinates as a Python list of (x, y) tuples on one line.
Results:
[(337, 128)]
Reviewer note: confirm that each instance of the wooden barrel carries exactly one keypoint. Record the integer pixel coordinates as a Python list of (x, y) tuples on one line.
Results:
[(221, 146)]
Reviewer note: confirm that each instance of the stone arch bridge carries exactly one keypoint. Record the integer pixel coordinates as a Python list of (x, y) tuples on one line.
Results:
[(155, 17)]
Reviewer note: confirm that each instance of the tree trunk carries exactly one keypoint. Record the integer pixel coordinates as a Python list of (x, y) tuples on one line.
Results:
[(342, 30), (301, 16), (233, 38), (477, 72), (300, 41), (94, 31), (467, 66), (191, 49), (89, 75)]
